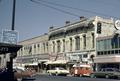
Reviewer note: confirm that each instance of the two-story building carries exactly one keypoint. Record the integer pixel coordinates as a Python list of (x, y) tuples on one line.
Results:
[(34, 52), (108, 49), (64, 46), (76, 41)]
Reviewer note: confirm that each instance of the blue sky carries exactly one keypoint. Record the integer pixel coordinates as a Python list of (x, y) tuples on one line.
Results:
[(35, 19)]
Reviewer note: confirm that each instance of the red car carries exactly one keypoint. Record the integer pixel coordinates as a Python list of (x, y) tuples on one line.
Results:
[(81, 70)]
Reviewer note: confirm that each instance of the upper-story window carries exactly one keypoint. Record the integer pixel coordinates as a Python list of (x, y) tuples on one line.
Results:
[(63, 45), (30, 50), (85, 55), (84, 41), (44, 47), (53, 47), (77, 42), (35, 48), (115, 41), (47, 46), (93, 40), (58, 46), (71, 44)]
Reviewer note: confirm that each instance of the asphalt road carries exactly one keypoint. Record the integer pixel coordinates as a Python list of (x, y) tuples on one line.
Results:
[(68, 78)]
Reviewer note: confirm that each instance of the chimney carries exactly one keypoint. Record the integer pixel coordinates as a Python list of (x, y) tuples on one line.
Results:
[(51, 28), (82, 17), (67, 22)]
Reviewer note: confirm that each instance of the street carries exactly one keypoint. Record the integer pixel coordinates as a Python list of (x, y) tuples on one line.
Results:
[(68, 78)]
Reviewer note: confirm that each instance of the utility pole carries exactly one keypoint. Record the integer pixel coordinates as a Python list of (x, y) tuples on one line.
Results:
[(10, 63), (13, 15)]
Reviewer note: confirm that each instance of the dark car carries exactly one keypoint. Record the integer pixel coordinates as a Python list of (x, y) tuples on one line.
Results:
[(106, 73)]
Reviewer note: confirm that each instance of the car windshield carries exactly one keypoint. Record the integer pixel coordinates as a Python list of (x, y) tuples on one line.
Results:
[(61, 69)]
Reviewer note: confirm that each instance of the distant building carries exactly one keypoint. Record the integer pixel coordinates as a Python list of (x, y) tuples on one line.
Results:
[(34, 52)]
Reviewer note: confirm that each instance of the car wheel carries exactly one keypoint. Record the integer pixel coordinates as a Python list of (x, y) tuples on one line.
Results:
[(106, 76), (92, 76), (50, 73), (80, 75), (56, 74)]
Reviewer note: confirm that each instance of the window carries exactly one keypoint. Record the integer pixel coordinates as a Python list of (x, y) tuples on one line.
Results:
[(47, 46), (70, 44), (30, 50), (115, 41), (58, 46), (44, 47), (34, 48), (85, 56), (63, 45), (93, 41), (53, 47), (84, 41), (77, 44)]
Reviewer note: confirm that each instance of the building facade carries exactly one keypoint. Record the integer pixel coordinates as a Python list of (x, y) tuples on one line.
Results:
[(64, 46), (108, 50), (76, 42), (34, 52)]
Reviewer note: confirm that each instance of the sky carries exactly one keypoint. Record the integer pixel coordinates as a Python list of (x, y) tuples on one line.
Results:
[(34, 19)]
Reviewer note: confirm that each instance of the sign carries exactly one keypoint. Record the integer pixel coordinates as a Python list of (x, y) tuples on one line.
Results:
[(9, 36), (9, 48), (117, 24)]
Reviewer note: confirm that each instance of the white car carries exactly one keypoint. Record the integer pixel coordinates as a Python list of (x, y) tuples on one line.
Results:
[(58, 71)]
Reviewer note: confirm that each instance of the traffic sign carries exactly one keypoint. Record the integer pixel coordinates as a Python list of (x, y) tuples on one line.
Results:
[(9, 36)]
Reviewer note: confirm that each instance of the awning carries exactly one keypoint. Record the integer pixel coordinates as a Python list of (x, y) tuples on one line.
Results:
[(40, 61), (56, 62), (31, 64)]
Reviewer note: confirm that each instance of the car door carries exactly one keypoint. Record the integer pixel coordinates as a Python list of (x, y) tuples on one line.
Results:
[(101, 73)]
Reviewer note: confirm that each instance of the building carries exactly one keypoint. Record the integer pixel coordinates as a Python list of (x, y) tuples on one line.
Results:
[(34, 52), (75, 42), (108, 49)]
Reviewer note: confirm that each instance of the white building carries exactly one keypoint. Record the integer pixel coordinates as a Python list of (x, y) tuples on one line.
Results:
[(74, 42)]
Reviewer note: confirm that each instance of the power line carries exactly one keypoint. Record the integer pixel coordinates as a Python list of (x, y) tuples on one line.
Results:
[(83, 10), (66, 12)]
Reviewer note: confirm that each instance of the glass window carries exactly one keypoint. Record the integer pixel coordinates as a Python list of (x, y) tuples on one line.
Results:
[(53, 47), (85, 56), (58, 46), (84, 43), (70, 44), (115, 42), (77, 43), (93, 37), (63, 45)]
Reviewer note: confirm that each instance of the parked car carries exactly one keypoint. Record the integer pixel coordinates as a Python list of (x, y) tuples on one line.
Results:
[(58, 71), (106, 73), (81, 70), (22, 74)]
